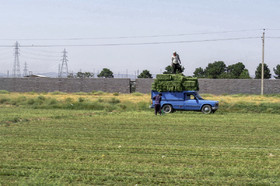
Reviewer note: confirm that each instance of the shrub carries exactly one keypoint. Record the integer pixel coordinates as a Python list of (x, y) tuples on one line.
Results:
[(43, 98), (114, 101), (52, 101), (4, 100), (57, 93), (109, 108), (19, 101), (122, 107), (16, 119), (4, 92), (100, 100), (116, 94), (39, 100), (30, 101), (69, 100), (99, 93), (143, 105), (81, 99)]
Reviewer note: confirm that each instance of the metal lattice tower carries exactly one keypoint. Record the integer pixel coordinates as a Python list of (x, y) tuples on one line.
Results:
[(64, 66), (25, 70), (16, 68), (58, 70)]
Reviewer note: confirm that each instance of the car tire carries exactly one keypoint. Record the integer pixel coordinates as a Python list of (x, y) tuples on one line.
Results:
[(206, 109), (167, 109)]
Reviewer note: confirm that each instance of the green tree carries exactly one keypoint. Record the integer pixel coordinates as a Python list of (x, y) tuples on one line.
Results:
[(235, 70), (169, 70), (277, 72), (226, 75), (106, 73), (245, 74), (71, 75), (214, 70), (84, 75), (258, 72), (199, 73), (145, 74)]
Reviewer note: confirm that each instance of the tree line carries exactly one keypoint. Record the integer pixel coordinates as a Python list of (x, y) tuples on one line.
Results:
[(215, 70)]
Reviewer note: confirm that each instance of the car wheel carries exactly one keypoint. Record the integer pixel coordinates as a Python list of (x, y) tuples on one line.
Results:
[(206, 109), (167, 108)]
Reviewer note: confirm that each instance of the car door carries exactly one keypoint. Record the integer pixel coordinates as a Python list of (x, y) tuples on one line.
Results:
[(191, 103)]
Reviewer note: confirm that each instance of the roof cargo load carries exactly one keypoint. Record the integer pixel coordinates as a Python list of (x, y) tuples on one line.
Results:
[(174, 82)]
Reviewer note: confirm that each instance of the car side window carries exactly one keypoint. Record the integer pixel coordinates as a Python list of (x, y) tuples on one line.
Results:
[(189, 97)]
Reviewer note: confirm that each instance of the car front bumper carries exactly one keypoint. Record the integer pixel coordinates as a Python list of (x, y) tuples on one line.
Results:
[(214, 108)]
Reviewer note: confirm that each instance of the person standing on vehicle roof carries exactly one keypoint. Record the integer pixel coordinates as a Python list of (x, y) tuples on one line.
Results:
[(176, 63), (157, 99)]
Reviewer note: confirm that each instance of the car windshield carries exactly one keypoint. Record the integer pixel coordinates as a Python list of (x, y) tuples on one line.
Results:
[(198, 96)]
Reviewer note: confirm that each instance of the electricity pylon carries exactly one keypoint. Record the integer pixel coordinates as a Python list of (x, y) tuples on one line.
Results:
[(16, 67), (64, 66)]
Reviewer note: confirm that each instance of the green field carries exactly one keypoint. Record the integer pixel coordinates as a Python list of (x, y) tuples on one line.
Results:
[(40, 146)]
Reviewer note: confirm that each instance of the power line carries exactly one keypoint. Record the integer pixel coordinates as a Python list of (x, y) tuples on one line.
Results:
[(134, 44), (29, 53), (273, 29), (131, 37), (39, 50), (38, 58)]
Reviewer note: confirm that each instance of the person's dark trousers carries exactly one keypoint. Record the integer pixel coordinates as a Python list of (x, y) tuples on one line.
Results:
[(157, 109), (175, 67)]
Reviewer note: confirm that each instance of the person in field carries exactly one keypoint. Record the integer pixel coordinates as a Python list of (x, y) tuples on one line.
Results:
[(157, 99), (176, 63)]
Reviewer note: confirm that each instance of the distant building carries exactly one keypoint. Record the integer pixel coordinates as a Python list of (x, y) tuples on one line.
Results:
[(36, 76)]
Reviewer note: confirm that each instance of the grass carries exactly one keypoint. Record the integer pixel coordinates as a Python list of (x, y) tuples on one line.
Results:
[(125, 144), (84, 147), (136, 101)]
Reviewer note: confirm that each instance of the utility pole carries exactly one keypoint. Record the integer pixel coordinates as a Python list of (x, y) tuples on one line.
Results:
[(25, 70), (64, 66), (16, 68), (262, 61)]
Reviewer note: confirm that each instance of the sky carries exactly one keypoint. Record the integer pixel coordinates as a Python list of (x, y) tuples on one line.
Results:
[(127, 36)]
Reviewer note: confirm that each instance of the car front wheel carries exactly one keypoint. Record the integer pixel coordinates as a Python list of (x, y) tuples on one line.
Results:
[(167, 108), (206, 109)]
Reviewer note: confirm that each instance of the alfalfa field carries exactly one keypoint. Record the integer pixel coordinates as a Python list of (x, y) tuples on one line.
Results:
[(115, 139)]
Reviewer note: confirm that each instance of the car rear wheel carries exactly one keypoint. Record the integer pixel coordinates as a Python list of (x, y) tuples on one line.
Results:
[(167, 108), (206, 109)]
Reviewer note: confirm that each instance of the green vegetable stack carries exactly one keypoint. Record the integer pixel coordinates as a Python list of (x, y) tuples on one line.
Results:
[(174, 82)]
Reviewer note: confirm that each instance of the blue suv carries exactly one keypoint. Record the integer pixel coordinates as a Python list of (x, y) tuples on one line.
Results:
[(185, 100)]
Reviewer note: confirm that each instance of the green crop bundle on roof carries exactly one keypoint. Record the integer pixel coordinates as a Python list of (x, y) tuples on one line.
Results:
[(189, 79), (174, 82), (164, 77), (177, 77), (173, 86), (189, 83)]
